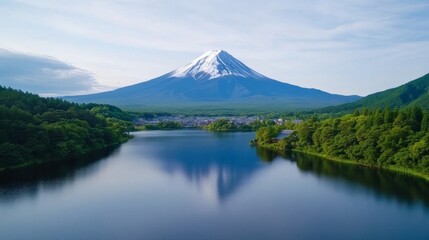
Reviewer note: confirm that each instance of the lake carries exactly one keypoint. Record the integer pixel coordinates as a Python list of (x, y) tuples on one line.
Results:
[(193, 184)]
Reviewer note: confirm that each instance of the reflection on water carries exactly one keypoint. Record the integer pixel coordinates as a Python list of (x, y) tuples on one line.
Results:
[(161, 185), (382, 183), (28, 181), (266, 154), (213, 165)]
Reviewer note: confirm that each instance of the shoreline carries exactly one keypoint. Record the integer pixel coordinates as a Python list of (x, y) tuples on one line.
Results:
[(401, 170), (36, 163)]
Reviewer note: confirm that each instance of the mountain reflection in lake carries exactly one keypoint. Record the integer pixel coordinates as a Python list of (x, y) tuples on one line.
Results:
[(192, 184), (209, 161)]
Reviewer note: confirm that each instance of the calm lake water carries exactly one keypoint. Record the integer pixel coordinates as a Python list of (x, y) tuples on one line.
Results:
[(192, 184)]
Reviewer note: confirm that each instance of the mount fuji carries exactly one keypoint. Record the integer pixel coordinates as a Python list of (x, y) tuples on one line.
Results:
[(215, 81)]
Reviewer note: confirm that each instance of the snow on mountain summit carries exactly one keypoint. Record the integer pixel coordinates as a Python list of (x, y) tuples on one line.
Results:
[(213, 64), (212, 82)]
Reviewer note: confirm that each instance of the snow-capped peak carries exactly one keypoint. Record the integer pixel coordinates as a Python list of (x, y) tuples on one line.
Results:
[(213, 64)]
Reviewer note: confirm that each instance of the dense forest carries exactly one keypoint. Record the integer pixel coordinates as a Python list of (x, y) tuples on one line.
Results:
[(35, 129), (397, 139), (413, 93)]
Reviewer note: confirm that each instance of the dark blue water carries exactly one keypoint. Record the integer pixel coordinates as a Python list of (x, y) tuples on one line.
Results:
[(192, 184)]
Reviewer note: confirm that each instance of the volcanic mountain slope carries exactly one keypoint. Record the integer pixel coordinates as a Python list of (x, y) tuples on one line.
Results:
[(217, 81)]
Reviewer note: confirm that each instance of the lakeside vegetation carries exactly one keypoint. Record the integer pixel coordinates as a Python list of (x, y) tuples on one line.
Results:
[(36, 130), (393, 139), (225, 125)]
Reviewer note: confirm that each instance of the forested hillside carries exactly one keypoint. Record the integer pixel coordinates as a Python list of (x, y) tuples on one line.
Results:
[(396, 139), (414, 93), (35, 129)]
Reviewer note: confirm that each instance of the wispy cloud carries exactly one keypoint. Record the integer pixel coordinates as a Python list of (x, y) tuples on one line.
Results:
[(44, 75), (338, 46)]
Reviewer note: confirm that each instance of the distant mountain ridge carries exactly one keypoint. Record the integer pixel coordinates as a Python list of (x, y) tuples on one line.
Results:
[(215, 81), (413, 93)]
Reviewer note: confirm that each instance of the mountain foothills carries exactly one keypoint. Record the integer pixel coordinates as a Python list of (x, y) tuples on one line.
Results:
[(36, 130), (215, 81), (414, 93)]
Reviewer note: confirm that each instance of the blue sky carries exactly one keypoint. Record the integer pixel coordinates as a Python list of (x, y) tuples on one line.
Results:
[(346, 47)]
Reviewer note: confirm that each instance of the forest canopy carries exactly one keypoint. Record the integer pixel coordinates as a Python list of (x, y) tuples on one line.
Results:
[(35, 129), (225, 125), (385, 138)]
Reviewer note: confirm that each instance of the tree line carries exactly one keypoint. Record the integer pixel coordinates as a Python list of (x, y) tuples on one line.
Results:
[(384, 137), (35, 129), (225, 125), (165, 125)]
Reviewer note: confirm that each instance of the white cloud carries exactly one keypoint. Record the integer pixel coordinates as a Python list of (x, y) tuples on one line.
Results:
[(337, 46), (44, 75)]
